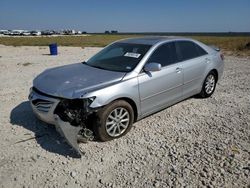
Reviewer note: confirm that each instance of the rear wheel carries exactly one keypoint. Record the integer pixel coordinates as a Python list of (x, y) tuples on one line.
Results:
[(209, 85), (114, 120)]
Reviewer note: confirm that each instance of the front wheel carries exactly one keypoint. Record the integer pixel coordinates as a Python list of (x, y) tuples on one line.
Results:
[(208, 85), (114, 120)]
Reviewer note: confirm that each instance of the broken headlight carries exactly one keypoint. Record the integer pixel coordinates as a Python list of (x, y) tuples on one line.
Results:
[(74, 111)]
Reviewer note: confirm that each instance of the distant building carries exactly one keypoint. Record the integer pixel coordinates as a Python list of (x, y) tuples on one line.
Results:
[(4, 32), (36, 33), (111, 32), (69, 32), (16, 32)]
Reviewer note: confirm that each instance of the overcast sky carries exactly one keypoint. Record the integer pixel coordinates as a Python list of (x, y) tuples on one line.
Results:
[(127, 15)]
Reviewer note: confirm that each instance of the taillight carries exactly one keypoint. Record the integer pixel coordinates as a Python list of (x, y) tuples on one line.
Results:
[(222, 57)]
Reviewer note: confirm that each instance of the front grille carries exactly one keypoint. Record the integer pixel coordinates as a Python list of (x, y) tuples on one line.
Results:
[(42, 105)]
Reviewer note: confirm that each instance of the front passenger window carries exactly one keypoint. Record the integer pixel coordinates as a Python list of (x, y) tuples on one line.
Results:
[(165, 55)]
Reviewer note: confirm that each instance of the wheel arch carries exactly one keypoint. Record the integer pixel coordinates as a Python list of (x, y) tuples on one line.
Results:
[(205, 75), (216, 73), (132, 104)]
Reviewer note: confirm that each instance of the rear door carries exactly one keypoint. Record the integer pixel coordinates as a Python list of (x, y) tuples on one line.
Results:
[(194, 61), (164, 87)]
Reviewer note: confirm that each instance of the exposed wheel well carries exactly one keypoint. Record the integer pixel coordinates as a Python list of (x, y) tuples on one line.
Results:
[(216, 74), (133, 105)]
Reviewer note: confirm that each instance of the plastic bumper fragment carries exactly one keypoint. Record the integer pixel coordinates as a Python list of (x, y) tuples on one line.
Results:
[(69, 132)]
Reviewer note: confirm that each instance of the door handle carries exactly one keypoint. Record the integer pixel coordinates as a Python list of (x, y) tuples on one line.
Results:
[(178, 70)]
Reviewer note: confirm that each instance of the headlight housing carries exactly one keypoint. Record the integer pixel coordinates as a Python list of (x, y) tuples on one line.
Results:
[(91, 99)]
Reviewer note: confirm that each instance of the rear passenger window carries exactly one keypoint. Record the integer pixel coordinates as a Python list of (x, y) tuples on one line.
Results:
[(165, 55), (200, 50), (189, 50)]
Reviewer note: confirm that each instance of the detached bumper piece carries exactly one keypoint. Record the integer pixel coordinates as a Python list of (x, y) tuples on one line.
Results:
[(69, 132), (70, 120)]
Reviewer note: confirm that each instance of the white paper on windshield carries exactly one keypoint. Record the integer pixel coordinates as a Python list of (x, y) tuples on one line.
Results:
[(132, 54), (129, 68)]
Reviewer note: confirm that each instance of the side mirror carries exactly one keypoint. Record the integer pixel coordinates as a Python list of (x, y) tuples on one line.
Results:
[(152, 67)]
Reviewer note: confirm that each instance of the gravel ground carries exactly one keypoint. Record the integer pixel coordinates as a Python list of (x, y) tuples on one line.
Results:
[(195, 143)]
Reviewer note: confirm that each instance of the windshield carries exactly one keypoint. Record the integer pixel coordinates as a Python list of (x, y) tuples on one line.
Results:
[(122, 57)]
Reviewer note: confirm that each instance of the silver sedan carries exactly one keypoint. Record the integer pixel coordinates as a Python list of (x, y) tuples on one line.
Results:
[(126, 81)]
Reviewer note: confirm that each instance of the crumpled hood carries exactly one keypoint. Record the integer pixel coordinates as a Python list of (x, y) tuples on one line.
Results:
[(72, 81)]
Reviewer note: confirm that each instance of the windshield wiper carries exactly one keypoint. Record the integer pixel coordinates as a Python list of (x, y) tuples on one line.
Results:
[(98, 67)]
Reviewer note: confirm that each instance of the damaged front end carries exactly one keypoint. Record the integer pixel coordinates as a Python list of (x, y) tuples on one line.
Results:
[(71, 118)]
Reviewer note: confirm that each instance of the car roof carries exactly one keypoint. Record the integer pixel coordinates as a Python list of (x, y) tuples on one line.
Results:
[(150, 40)]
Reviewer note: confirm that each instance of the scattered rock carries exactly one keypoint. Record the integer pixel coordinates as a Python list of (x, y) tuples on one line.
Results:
[(156, 184), (73, 174), (27, 64), (33, 158), (33, 177)]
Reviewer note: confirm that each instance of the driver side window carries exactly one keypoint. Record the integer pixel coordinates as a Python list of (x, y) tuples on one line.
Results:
[(164, 54)]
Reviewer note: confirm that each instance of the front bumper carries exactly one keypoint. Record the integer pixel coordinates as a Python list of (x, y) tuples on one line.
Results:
[(44, 107)]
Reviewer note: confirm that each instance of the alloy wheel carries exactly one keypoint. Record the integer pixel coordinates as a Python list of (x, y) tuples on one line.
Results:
[(117, 122), (210, 84)]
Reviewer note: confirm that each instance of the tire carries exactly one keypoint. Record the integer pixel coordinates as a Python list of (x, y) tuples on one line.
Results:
[(117, 114), (209, 85)]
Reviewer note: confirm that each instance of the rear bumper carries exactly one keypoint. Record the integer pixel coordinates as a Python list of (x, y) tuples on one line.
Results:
[(43, 106), (220, 70)]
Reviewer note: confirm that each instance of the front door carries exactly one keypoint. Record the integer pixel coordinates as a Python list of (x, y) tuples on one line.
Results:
[(161, 88)]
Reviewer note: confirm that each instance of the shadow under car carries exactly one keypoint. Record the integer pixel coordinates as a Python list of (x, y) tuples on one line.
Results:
[(45, 135)]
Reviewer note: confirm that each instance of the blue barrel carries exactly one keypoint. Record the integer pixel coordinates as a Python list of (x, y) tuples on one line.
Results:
[(53, 49)]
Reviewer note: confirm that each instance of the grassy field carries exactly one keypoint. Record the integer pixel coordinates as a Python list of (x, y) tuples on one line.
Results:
[(235, 45)]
